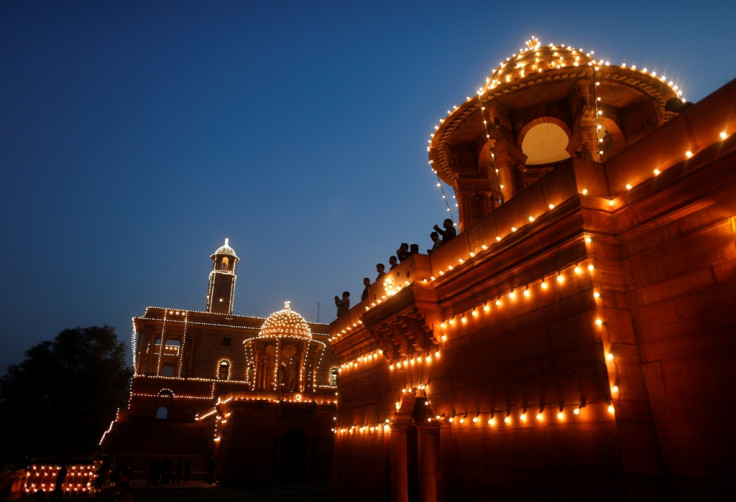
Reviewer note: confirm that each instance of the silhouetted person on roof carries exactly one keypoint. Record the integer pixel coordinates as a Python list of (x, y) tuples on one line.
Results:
[(449, 231), (436, 242), (403, 252), (381, 269), (366, 283), (343, 305), (393, 262)]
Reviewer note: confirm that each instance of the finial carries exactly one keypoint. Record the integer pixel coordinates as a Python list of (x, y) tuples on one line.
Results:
[(532, 43), (226, 241), (286, 305)]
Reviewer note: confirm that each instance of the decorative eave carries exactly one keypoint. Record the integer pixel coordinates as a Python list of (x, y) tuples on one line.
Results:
[(404, 325), (639, 81)]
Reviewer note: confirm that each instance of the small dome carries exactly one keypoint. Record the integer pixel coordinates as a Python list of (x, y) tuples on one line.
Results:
[(225, 250), (285, 324), (536, 58)]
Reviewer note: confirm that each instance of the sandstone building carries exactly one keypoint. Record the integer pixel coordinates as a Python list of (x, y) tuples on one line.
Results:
[(255, 395), (577, 337)]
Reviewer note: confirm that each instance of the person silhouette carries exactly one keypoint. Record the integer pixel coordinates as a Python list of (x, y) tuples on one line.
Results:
[(343, 305), (449, 231), (403, 252), (436, 242), (366, 283), (381, 269)]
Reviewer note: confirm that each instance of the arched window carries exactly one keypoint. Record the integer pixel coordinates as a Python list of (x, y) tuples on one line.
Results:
[(223, 370), (544, 142), (162, 413)]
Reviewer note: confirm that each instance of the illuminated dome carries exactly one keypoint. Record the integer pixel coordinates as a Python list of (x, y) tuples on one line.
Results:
[(225, 250), (535, 59), (285, 323)]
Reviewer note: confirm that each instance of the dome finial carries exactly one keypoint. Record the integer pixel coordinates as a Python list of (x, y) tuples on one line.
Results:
[(227, 243), (287, 305), (532, 43)]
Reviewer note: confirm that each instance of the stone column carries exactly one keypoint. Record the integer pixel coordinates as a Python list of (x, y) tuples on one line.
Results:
[(584, 133), (428, 443), (399, 474), (508, 158)]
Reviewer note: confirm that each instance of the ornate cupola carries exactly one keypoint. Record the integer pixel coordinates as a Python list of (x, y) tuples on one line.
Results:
[(284, 357), (221, 291), (544, 106)]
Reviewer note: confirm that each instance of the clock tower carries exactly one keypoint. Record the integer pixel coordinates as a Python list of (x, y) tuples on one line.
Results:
[(222, 280)]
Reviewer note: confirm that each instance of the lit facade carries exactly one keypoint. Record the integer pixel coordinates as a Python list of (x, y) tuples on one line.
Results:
[(576, 338), (199, 373)]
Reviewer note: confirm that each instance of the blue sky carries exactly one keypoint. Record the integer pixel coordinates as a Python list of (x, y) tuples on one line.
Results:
[(136, 136)]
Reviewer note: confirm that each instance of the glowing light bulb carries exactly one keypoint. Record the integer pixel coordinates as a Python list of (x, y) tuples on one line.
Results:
[(523, 417)]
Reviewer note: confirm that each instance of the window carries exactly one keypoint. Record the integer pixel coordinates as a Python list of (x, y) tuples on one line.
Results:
[(167, 370), (162, 413), (333, 377), (223, 370)]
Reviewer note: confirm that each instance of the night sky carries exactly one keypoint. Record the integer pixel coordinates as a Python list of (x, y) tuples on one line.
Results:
[(136, 136)]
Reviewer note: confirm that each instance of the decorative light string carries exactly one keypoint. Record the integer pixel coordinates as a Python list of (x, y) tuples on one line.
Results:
[(493, 173)]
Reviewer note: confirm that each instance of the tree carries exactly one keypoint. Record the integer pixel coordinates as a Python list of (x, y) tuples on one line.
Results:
[(62, 397)]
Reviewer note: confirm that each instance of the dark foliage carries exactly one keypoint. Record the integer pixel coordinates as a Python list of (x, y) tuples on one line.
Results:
[(62, 397)]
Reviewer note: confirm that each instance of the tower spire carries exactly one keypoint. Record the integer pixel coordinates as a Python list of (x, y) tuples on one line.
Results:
[(221, 291)]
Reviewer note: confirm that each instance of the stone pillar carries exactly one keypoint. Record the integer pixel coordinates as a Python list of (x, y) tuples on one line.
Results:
[(428, 446), (399, 474), (474, 201), (584, 140), (509, 158)]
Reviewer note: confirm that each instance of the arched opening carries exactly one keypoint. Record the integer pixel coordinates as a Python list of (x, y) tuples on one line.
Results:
[(223, 370), (164, 401), (544, 141), (333, 376)]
